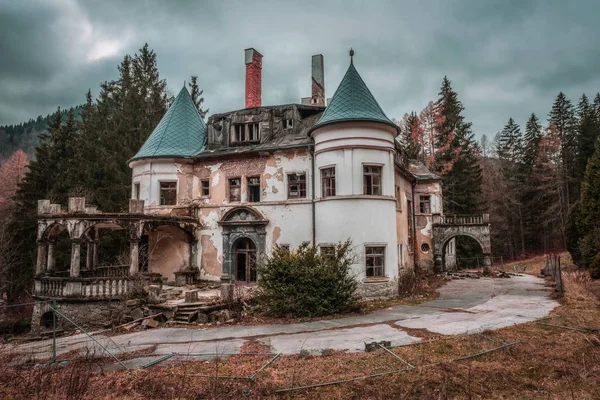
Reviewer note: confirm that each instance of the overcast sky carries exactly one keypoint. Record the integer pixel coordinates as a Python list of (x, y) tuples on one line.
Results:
[(505, 58)]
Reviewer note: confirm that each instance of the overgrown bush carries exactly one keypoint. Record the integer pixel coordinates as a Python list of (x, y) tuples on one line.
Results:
[(594, 267), (306, 283)]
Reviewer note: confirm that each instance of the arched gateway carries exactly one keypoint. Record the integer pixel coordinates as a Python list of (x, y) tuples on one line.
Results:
[(447, 227)]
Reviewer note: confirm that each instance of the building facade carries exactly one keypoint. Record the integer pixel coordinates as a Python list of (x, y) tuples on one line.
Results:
[(283, 175)]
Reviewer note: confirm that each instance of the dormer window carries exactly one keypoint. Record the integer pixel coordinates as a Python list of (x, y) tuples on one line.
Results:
[(244, 133)]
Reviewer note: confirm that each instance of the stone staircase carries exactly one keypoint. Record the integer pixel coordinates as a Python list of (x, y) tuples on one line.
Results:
[(187, 312)]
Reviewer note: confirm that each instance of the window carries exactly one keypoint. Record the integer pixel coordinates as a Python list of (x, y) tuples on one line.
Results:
[(409, 214), (246, 133), (398, 198), (136, 191), (235, 189), (372, 180), (254, 189), (285, 247), (425, 247), (289, 123), (328, 181), (296, 186), (205, 187), (375, 261), (327, 251), (425, 204), (168, 193)]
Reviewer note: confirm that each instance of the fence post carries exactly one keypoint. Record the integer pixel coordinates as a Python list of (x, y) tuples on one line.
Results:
[(53, 331)]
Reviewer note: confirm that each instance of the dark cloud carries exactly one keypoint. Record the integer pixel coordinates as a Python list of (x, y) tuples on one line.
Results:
[(505, 58)]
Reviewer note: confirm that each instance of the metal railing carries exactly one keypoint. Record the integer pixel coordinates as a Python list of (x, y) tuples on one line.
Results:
[(480, 219)]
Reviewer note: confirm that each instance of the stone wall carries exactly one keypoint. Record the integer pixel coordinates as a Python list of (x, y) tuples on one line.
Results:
[(88, 315), (378, 290)]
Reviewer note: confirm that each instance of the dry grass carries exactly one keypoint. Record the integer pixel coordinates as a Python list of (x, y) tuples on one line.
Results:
[(548, 362)]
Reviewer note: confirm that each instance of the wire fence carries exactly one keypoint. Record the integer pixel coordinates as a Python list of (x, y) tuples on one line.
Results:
[(553, 270), (54, 337)]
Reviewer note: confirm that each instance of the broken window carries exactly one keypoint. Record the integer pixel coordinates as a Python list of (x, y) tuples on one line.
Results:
[(409, 214), (375, 261), (327, 251), (136, 191), (235, 189), (425, 204), (296, 186), (285, 247), (205, 187), (289, 123), (372, 180), (246, 133), (398, 198), (328, 181), (168, 193), (254, 189)]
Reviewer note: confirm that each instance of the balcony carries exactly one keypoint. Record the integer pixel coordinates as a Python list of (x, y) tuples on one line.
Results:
[(460, 220)]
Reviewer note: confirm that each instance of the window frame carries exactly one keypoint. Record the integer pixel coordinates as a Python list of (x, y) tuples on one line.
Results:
[(202, 181), (299, 184), (248, 186), (229, 187), (331, 180), (427, 203), (368, 176), (329, 253), (398, 198), (160, 191), (375, 256), (246, 133), (137, 190)]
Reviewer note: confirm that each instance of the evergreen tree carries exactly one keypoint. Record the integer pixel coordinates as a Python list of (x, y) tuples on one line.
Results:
[(562, 119), (412, 136), (196, 94), (533, 135), (510, 143), (456, 157), (589, 211), (588, 130)]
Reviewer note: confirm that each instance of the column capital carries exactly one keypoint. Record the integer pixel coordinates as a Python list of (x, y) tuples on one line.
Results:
[(76, 241)]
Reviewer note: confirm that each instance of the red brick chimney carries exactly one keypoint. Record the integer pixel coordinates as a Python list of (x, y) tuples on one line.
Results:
[(253, 77)]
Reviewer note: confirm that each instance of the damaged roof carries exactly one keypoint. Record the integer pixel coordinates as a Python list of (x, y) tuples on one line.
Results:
[(180, 133), (353, 101), (420, 171)]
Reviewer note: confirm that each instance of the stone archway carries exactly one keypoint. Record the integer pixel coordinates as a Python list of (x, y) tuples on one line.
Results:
[(450, 227), (241, 223)]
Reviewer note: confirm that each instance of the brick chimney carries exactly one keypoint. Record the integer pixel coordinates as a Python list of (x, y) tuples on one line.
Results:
[(253, 77), (318, 81)]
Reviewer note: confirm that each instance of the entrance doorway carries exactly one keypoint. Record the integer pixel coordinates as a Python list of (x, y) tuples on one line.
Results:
[(245, 261)]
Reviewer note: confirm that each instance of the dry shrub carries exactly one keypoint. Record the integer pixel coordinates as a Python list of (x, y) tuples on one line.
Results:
[(579, 287)]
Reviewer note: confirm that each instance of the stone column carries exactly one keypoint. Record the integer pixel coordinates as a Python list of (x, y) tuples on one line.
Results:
[(51, 258), (89, 256), (75, 258), (227, 267), (95, 254), (134, 266), (487, 264), (40, 266)]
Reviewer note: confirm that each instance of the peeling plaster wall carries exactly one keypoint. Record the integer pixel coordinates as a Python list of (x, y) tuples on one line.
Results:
[(169, 251), (405, 253), (424, 222)]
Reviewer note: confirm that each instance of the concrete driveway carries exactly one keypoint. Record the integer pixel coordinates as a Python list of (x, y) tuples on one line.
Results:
[(464, 306)]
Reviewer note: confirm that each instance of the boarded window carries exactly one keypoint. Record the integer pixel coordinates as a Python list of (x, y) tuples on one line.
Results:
[(409, 214), (136, 191), (254, 189), (375, 261), (246, 133), (425, 204), (205, 187), (328, 181), (372, 180), (296, 186), (235, 189), (168, 193)]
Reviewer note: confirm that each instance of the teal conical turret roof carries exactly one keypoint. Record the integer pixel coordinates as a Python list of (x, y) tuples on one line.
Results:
[(180, 133), (353, 101)]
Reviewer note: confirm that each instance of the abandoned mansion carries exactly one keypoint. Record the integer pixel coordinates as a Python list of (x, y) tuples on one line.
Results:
[(211, 198)]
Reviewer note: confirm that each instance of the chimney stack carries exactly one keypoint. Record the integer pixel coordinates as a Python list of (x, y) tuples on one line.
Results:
[(318, 81), (253, 77)]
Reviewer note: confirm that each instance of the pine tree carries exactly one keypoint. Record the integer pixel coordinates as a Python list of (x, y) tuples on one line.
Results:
[(456, 157), (412, 136), (196, 94), (510, 143), (588, 130), (533, 135), (589, 210), (563, 122)]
